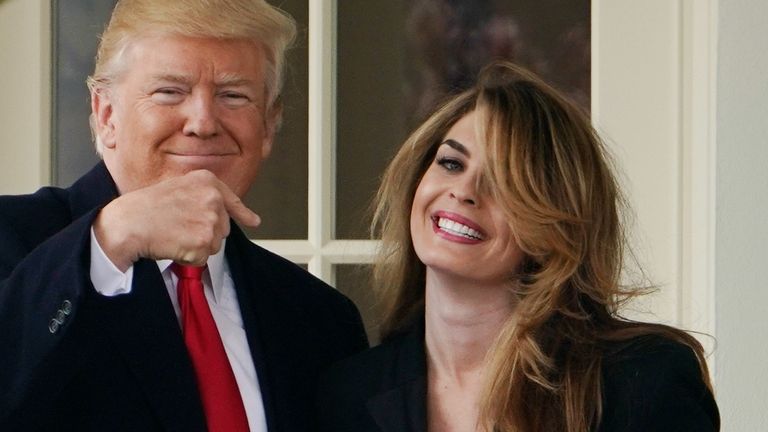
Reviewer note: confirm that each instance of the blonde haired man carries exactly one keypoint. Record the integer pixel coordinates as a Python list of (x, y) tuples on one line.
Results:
[(185, 104)]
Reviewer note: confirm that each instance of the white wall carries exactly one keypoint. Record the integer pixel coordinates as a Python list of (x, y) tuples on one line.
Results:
[(636, 84), (742, 215), (24, 86), (652, 95)]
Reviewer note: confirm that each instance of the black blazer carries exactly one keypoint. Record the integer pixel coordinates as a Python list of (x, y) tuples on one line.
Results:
[(651, 385), (120, 363)]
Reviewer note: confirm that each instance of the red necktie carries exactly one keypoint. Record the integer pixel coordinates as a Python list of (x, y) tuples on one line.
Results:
[(223, 406)]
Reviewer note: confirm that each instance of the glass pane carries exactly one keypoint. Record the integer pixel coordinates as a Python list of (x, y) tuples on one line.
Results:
[(76, 26), (354, 281), (280, 193), (398, 59)]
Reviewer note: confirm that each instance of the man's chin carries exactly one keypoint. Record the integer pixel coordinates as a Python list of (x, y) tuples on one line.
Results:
[(211, 163)]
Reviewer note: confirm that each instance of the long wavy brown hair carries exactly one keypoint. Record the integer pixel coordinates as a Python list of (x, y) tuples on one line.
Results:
[(549, 171)]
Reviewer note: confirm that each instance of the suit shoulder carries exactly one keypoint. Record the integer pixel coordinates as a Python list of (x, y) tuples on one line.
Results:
[(344, 390), (294, 278), (654, 382), (649, 355), (28, 220), (388, 364), (365, 365), (47, 202), (304, 298)]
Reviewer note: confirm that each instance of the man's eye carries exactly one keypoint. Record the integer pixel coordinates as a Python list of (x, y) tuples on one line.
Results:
[(167, 95), (234, 99), (168, 91), (450, 164)]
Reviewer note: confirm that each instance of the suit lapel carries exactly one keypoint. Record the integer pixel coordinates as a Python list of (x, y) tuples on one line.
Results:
[(147, 335), (94, 189), (402, 404), (402, 408), (143, 325), (250, 301), (278, 334)]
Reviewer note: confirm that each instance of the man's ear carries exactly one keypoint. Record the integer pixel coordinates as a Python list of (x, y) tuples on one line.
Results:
[(102, 117), (271, 125)]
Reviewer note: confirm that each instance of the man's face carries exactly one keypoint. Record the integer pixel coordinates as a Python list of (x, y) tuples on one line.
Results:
[(181, 104)]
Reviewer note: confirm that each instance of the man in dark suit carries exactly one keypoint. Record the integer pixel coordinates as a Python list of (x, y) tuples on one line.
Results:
[(98, 333)]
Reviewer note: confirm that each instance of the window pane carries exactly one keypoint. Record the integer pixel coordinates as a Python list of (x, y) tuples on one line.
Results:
[(354, 280), (371, 100), (398, 59), (76, 26), (280, 193)]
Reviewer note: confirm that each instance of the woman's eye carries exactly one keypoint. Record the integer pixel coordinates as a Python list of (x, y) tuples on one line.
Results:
[(450, 164)]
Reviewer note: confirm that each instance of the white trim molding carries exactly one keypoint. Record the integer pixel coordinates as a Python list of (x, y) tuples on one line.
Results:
[(699, 65), (25, 59), (653, 100), (321, 132)]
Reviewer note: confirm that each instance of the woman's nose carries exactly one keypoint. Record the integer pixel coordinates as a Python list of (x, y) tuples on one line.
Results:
[(465, 191)]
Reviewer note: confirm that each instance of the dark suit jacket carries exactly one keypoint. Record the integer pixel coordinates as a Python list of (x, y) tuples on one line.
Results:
[(119, 363), (651, 385)]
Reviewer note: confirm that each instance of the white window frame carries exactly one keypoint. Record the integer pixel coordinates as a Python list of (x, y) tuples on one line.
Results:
[(679, 244), (671, 115), (681, 247), (321, 251)]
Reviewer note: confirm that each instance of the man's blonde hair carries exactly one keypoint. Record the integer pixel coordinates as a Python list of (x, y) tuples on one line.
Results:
[(253, 20)]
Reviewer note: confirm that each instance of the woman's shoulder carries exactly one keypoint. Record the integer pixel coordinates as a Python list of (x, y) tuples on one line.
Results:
[(652, 382), (646, 349)]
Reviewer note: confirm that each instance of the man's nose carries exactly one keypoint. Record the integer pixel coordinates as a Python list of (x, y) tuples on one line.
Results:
[(201, 120)]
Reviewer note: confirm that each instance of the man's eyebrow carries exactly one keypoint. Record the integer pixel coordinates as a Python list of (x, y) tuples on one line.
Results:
[(182, 79), (224, 80), (233, 80), (459, 147)]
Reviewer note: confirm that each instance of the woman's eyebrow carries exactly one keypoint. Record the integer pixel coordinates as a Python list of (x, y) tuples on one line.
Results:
[(459, 147)]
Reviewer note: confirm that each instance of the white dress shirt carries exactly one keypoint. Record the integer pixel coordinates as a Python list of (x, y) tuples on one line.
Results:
[(222, 300)]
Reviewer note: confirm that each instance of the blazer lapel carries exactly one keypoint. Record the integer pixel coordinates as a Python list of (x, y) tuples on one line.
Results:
[(401, 406), (278, 335), (143, 325), (146, 333), (250, 301), (94, 189)]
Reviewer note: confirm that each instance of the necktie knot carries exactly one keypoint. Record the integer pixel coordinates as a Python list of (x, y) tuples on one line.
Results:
[(188, 272)]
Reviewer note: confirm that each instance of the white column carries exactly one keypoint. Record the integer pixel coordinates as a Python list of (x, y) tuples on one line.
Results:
[(25, 64)]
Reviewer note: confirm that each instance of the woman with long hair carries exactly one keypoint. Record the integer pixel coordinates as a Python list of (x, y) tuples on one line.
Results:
[(499, 279)]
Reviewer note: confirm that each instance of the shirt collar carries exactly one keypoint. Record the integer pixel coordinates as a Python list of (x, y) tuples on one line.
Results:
[(213, 276)]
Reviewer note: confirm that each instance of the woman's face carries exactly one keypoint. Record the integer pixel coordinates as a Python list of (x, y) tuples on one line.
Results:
[(457, 230)]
